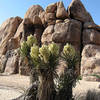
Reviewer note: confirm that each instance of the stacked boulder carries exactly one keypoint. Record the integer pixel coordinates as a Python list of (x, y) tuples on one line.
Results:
[(7, 31), (62, 28), (54, 24), (90, 62)]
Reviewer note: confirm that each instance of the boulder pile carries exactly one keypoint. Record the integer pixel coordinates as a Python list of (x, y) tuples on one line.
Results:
[(54, 24)]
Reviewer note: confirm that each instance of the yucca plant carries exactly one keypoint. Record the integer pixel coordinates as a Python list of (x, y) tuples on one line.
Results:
[(45, 60), (68, 79), (25, 49), (26, 46)]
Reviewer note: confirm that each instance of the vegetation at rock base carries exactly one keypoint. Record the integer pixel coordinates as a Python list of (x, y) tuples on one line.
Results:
[(44, 61)]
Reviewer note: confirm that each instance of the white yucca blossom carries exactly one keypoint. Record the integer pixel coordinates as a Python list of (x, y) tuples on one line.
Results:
[(23, 44), (24, 48), (34, 52), (31, 40), (69, 49), (45, 53), (54, 49)]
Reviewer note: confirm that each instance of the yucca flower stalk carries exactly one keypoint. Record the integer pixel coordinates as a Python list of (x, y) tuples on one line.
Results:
[(44, 60), (24, 50), (69, 78), (26, 46), (31, 40), (34, 53), (54, 49), (49, 56), (44, 53), (70, 56)]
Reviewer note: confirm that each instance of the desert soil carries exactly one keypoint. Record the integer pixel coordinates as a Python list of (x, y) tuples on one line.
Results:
[(13, 86)]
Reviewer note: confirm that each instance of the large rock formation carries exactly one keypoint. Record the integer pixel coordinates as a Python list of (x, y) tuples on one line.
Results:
[(7, 31), (25, 28), (68, 31), (54, 24)]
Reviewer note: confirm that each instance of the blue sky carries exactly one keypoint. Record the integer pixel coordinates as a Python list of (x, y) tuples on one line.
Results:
[(12, 8)]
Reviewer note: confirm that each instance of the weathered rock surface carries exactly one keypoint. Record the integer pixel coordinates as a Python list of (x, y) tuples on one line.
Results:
[(12, 62), (69, 31), (33, 11), (25, 28), (47, 35), (42, 17), (12, 44), (90, 63), (61, 11), (49, 17), (24, 68), (91, 36), (91, 25), (7, 31), (76, 10), (3, 60), (51, 8), (37, 20)]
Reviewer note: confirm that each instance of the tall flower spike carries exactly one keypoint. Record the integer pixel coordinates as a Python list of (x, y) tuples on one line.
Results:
[(54, 49), (24, 49), (31, 40), (34, 52), (69, 49), (45, 53)]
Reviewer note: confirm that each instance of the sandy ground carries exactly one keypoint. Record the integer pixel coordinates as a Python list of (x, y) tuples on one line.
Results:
[(14, 85), (83, 86), (8, 93)]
